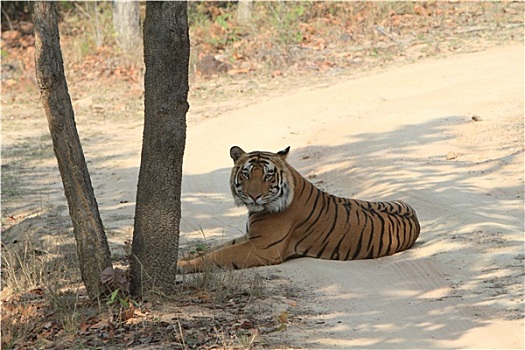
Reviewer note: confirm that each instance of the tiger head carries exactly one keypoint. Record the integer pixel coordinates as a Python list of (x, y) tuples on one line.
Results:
[(261, 180)]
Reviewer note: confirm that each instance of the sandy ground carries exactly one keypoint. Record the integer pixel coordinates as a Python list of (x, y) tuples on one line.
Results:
[(385, 135)]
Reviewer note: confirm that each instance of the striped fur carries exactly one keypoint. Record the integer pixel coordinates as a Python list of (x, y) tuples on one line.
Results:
[(289, 217)]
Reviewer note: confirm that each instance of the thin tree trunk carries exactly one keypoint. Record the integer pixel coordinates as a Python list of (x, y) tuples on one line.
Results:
[(92, 246), (158, 209), (126, 21), (244, 11)]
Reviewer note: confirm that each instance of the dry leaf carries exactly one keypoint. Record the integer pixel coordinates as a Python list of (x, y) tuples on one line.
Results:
[(290, 302), (100, 325), (128, 313), (84, 327), (238, 71), (283, 317)]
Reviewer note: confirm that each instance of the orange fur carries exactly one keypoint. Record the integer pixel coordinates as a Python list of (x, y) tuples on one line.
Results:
[(289, 217)]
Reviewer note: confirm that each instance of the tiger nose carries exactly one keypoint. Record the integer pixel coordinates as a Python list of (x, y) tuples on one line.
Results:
[(255, 196)]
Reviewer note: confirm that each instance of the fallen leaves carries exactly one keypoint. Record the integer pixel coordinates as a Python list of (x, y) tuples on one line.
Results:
[(173, 324)]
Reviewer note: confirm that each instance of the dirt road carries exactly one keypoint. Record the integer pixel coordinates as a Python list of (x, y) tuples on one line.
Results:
[(401, 133), (387, 136)]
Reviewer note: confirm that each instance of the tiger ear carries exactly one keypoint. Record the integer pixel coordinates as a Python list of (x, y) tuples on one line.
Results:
[(236, 152), (283, 153)]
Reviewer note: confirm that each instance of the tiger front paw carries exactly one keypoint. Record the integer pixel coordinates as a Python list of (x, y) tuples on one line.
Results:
[(189, 266)]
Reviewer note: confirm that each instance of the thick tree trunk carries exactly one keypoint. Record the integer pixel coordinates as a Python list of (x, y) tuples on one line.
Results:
[(126, 22), (158, 210), (92, 245)]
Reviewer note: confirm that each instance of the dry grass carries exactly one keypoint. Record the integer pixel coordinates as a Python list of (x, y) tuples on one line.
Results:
[(44, 302), (225, 285), (41, 292)]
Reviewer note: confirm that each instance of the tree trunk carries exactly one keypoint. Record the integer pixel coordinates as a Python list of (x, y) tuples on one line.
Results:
[(158, 209), (126, 22), (244, 11), (92, 245)]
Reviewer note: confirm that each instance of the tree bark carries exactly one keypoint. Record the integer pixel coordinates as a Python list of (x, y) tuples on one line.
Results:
[(244, 11), (158, 209), (92, 246), (126, 22)]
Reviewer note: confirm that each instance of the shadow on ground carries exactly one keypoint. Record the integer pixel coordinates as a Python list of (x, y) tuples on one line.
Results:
[(369, 166)]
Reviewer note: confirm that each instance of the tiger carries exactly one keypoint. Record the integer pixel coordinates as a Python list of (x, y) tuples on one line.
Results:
[(289, 217)]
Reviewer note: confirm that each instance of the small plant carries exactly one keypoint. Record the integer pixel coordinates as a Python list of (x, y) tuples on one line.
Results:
[(199, 249), (286, 19), (114, 296)]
